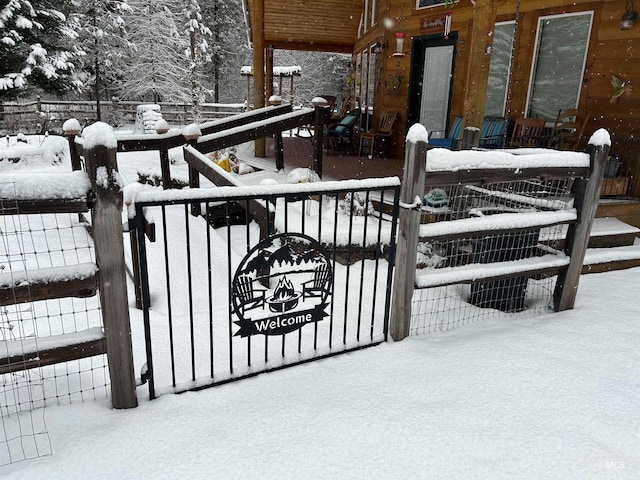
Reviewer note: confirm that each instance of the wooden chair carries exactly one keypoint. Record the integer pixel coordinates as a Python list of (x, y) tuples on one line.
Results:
[(527, 132), (568, 129), (248, 296), (384, 130)]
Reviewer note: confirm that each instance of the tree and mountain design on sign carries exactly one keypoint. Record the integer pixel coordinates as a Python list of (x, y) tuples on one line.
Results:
[(282, 284)]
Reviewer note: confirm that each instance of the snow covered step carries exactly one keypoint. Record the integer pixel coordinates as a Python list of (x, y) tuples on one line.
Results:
[(598, 260), (25, 353), (605, 232)]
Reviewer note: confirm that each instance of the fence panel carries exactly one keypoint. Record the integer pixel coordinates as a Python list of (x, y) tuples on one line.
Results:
[(225, 298), (489, 230)]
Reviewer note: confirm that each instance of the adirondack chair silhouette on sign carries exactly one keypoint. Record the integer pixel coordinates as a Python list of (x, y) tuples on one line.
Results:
[(318, 284), (248, 295)]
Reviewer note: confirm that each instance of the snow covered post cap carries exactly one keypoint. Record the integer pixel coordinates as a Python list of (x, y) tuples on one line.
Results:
[(600, 137), (99, 134), (319, 102), (162, 126), (191, 132), (71, 126), (275, 100), (417, 133)]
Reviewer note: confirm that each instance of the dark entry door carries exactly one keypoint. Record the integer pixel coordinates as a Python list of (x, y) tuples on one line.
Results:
[(431, 78)]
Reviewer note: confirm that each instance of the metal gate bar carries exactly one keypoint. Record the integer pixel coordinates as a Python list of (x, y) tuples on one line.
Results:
[(315, 225)]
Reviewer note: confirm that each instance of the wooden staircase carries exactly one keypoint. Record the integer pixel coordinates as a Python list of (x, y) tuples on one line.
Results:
[(613, 245)]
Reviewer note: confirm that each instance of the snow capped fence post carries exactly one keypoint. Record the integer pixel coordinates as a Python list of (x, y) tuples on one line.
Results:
[(586, 197), (100, 146), (415, 161), (71, 128)]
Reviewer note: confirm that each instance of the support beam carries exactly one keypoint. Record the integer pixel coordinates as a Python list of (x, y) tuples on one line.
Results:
[(484, 19), (258, 67)]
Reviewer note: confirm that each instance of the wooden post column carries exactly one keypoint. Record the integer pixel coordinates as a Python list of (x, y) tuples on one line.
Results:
[(475, 91), (100, 156), (258, 68)]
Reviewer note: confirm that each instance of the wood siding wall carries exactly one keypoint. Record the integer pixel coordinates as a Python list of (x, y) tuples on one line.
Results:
[(611, 52)]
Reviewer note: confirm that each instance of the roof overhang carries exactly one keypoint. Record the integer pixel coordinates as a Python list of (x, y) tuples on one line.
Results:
[(311, 25)]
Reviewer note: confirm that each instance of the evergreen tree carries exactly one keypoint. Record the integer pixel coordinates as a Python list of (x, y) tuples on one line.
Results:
[(156, 68), (229, 49), (35, 50), (102, 36), (197, 53)]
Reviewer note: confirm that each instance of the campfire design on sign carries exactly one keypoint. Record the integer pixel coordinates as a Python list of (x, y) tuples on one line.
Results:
[(283, 284)]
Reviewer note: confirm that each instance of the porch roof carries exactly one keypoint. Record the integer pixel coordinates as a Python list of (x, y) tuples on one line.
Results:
[(329, 26)]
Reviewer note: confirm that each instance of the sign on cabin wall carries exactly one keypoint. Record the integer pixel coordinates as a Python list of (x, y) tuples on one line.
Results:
[(429, 25), (283, 284)]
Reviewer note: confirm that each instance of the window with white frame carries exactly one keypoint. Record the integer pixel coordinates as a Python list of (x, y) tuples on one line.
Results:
[(558, 63), (372, 12), (499, 69)]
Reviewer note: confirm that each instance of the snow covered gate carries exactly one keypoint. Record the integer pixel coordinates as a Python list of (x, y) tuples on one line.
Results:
[(485, 233), (245, 280)]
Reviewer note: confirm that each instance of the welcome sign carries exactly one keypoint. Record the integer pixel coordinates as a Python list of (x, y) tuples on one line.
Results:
[(283, 284)]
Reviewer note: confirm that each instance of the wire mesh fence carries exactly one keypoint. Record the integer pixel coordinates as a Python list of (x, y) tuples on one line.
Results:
[(451, 291), (28, 244)]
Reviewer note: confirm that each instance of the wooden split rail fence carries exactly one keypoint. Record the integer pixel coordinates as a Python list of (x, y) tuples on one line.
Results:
[(500, 187)]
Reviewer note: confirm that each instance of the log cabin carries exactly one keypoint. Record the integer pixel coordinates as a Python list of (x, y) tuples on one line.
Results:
[(433, 61)]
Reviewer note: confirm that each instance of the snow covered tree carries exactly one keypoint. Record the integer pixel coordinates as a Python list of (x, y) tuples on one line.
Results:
[(197, 32), (156, 68), (229, 49), (102, 36), (35, 48)]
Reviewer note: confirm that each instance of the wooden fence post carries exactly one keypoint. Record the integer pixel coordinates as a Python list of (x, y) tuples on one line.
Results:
[(71, 128), (100, 146), (320, 105), (415, 161), (470, 138), (165, 169), (586, 197)]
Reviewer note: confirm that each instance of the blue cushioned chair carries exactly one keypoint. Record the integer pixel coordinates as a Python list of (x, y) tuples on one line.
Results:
[(491, 134), (341, 135)]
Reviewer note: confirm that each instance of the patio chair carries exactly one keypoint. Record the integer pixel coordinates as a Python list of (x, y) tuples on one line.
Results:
[(341, 136), (318, 284), (527, 132), (568, 129), (384, 131), (249, 297)]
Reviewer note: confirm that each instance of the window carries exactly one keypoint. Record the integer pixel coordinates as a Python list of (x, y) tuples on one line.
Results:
[(558, 63), (372, 11), (368, 18), (429, 3), (499, 69)]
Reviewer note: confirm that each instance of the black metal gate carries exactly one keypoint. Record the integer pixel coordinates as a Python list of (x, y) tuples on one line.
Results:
[(245, 280)]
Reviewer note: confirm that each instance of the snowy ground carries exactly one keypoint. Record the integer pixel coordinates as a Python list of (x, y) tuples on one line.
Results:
[(553, 397), (556, 396)]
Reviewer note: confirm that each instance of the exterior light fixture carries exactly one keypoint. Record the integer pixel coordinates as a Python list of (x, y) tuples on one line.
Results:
[(629, 17)]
